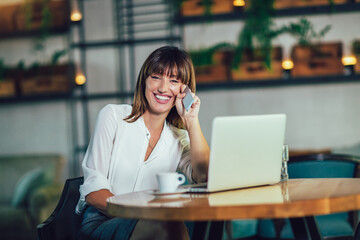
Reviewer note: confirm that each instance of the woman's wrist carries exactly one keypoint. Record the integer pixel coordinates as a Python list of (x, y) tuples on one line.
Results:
[(191, 124)]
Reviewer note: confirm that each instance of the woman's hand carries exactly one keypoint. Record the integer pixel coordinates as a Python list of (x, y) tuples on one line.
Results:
[(188, 117)]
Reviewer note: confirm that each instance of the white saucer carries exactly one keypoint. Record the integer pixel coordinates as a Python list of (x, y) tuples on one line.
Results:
[(168, 194)]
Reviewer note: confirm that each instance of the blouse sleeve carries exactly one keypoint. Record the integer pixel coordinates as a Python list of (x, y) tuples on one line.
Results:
[(96, 162), (185, 161)]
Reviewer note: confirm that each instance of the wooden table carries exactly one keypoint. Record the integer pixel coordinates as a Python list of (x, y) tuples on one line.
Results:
[(297, 199)]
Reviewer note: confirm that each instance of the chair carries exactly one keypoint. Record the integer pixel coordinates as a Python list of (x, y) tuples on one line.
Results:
[(63, 223), (357, 233), (332, 226), (31, 187)]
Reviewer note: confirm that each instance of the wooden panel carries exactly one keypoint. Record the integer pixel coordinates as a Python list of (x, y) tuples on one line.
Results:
[(196, 7), (219, 72), (356, 52), (7, 88), (321, 59), (48, 80), (13, 20), (357, 66), (279, 4)]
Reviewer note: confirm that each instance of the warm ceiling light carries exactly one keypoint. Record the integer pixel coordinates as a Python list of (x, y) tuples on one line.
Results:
[(287, 64), (76, 16), (80, 79), (239, 3), (347, 61)]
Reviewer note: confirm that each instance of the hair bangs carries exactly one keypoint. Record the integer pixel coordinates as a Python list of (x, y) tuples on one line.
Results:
[(174, 67)]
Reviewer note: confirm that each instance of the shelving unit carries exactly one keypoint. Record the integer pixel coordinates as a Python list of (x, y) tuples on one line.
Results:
[(348, 7), (203, 87)]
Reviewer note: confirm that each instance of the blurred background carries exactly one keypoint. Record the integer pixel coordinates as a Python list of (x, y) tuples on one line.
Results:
[(61, 61)]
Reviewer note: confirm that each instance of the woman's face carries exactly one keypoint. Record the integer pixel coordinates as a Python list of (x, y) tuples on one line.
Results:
[(161, 92)]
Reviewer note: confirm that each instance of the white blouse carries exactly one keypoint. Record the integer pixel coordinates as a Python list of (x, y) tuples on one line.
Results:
[(115, 156)]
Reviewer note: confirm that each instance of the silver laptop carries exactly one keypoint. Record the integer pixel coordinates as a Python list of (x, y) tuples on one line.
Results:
[(246, 151)]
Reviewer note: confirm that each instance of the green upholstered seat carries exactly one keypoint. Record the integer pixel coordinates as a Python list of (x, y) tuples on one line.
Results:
[(238, 229)]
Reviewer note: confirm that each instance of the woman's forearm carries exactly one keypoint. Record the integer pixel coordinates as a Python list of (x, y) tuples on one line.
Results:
[(97, 199), (200, 152)]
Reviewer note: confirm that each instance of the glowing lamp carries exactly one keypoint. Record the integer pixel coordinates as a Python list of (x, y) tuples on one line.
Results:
[(80, 79), (76, 16), (239, 3), (348, 61), (287, 64)]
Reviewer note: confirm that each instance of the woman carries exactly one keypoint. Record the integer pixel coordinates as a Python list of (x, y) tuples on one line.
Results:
[(130, 145)]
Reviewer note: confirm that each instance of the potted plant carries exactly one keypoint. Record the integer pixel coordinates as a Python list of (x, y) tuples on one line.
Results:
[(49, 77), (212, 64), (254, 56), (310, 55)]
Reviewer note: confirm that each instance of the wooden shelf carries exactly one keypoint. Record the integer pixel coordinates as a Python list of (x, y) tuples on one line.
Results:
[(116, 43), (270, 83), (25, 34), (36, 98)]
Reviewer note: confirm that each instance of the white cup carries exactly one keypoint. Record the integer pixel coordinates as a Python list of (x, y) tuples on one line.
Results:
[(169, 182)]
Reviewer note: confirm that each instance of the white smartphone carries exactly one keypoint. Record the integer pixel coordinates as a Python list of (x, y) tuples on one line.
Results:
[(188, 100)]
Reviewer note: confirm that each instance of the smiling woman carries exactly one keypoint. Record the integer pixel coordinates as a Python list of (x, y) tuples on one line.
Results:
[(131, 144)]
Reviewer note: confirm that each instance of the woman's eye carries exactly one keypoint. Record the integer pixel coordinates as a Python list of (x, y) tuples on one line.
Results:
[(174, 81), (155, 77)]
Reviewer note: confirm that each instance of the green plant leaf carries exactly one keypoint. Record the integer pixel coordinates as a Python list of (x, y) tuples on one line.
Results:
[(258, 31), (57, 55), (204, 56)]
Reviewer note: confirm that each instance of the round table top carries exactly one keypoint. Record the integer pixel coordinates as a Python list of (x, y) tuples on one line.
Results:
[(295, 198)]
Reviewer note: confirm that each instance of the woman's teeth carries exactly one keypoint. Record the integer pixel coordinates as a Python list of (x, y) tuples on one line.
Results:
[(162, 97)]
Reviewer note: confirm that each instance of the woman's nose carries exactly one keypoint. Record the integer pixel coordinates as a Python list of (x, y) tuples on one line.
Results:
[(163, 87)]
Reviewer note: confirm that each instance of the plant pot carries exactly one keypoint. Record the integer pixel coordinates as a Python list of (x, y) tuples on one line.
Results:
[(47, 80), (217, 72), (7, 88), (197, 8), (356, 52), (252, 67), (317, 60)]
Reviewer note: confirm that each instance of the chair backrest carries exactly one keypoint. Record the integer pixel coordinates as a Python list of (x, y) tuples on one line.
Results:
[(63, 223), (326, 166), (323, 166)]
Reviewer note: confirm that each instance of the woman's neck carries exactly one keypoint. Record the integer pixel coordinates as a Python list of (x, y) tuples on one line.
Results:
[(154, 123)]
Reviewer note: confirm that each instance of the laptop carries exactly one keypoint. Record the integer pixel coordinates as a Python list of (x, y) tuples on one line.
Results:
[(246, 151)]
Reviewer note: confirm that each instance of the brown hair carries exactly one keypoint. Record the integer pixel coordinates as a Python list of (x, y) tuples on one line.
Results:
[(164, 60)]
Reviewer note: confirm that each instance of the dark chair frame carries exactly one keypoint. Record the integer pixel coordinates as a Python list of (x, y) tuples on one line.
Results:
[(63, 223), (357, 233)]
